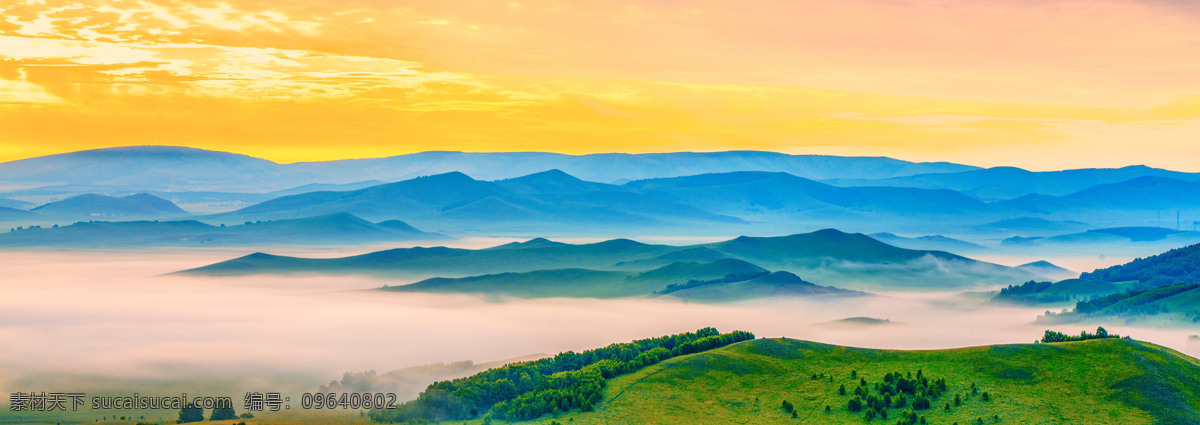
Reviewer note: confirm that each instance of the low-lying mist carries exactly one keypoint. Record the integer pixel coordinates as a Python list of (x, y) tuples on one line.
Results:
[(86, 321)]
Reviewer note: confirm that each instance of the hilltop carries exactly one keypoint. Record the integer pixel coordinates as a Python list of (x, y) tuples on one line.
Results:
[(1119, 381)]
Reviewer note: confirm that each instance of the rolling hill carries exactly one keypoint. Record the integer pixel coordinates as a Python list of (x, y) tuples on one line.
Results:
[(147, 168), (100, 207), (1180, 265), (762, 192), (541, 199), (334, 228), (1146, 193), (171, 168), (1000, 183), (1031, 225), (779, 380), (13, 214), (720, 280), (928, 242), (1061, 292), (1048, 269), (834, 256), (1177, 304)]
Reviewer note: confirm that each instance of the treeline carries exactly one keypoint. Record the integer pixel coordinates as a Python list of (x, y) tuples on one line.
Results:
[(1052, 336), (1030, 293), (565, 382), (729, 278), (1180, 265), (1132, 302)]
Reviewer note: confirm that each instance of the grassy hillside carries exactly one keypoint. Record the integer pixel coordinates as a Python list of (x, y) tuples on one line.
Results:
[(1093, 382), (1178, 304), (1181, 265), (1063, 291)]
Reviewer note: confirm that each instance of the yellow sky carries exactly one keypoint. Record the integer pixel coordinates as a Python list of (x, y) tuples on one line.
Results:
[(1037, 84)]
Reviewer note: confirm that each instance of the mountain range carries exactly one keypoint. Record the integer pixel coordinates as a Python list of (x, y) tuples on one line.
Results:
[(827, 256), (1000, 183), (145, 168), (720, 193)]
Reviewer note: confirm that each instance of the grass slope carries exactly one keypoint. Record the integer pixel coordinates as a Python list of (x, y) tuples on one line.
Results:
[(1092, 382)]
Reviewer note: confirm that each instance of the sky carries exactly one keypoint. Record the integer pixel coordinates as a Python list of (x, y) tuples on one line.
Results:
[(1042, 85)]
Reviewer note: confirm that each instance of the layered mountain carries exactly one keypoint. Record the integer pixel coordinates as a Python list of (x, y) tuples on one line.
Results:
[(550, 197), (1141, 193), (828, 256), (930, 242), (1048, 269), (333, 228), (169, 168), (1000, 183), (721, 280), (764, 192)]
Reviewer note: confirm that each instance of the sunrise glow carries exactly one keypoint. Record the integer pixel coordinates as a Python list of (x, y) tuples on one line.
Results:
[(1045, 85)]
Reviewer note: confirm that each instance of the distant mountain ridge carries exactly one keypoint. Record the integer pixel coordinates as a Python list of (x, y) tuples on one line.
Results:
[(544, 198), (830, 256), (173, 168), (999, 183), (332, 228)]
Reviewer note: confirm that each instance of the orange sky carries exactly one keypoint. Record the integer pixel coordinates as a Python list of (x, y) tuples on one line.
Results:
[(1037, 84)]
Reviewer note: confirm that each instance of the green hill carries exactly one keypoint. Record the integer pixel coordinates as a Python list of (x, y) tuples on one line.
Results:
[(827, 256), (1170, 304), (1063, 291), (1180, 265), (721, 280), (1105, 381)]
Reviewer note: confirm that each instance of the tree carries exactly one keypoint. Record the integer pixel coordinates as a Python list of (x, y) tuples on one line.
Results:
[(1101, 332), (222, 413), (787, 406), (191, 413), (920, 403), (854, 405), (986, 396)]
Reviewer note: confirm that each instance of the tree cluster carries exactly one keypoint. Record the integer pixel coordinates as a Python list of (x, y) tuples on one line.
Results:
[(895, 391), (1053, 336), (567, 381), (1030, 292), (1175, 266)]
